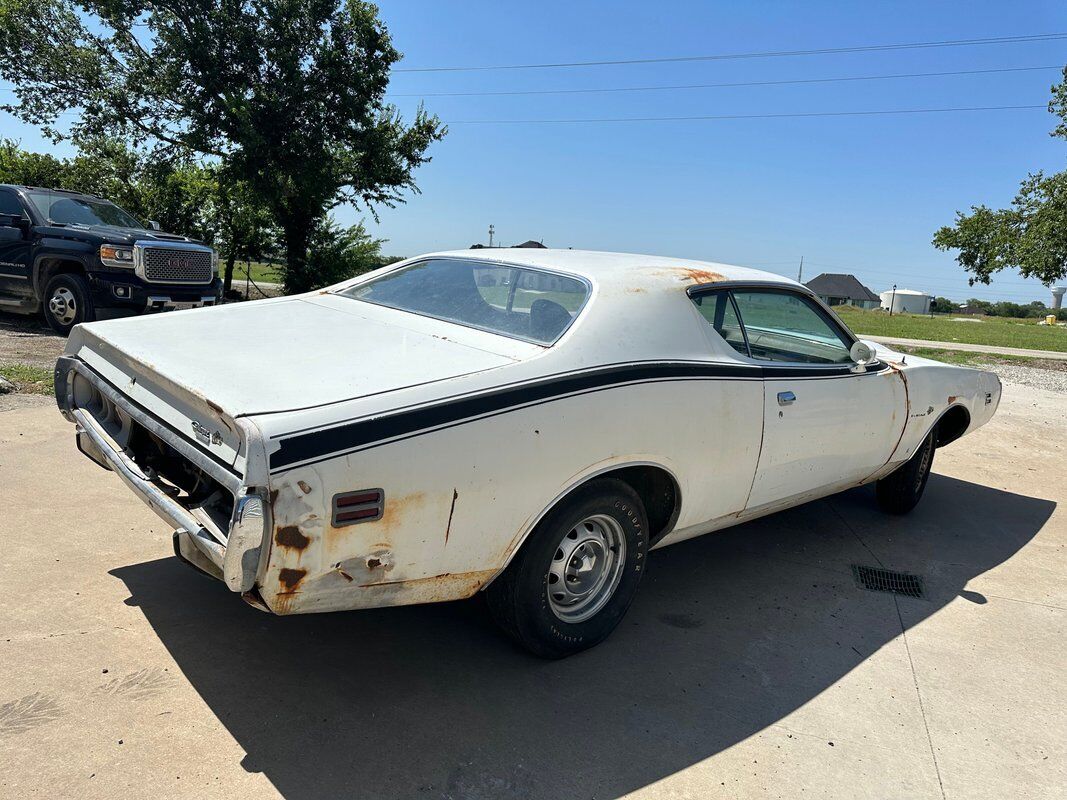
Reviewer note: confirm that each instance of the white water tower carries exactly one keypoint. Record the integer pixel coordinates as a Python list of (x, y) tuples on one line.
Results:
[(1057, 297)]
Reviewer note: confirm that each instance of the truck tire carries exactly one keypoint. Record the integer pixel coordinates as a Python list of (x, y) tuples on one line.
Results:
[(900, 491), (67, 302), (575, 576)]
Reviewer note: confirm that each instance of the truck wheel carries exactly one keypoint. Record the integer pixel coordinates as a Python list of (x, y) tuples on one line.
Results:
[(67, 302), (900, 491), (572, 581)]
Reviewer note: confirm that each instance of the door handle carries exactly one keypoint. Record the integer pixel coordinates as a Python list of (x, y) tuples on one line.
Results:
[(786, 398)]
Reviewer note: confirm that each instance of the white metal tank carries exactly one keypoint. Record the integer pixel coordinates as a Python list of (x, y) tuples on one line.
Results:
[(1057, 296), (906, 301)]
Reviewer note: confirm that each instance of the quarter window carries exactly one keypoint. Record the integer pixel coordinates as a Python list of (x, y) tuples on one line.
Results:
[(718, 310)]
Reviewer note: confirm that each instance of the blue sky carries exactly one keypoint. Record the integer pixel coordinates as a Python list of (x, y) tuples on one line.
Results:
[(850, 194)]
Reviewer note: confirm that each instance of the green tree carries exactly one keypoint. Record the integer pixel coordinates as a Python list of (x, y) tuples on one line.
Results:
[(288, 96), (942, 305), (1030, 235), (337, 253)]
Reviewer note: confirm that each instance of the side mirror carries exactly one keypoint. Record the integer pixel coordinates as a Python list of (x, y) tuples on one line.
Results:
[(14, 221), (861, 353), (153, 225)]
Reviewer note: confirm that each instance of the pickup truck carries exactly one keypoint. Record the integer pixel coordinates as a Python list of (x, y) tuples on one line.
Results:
[(75, 255)]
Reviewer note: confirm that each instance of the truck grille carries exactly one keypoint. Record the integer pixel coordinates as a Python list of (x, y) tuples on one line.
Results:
[(173, 265)]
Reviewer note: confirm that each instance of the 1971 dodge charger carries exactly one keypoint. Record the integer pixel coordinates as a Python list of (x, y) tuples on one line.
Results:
[(527, 423)]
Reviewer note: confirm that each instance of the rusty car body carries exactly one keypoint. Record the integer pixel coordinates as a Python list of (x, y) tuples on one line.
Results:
[(371, 445)]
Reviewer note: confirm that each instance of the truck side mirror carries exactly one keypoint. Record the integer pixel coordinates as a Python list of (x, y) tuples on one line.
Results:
[(153, 225), (15, 221)]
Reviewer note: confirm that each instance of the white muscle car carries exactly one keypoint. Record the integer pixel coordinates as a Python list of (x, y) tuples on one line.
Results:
[(525, 422)]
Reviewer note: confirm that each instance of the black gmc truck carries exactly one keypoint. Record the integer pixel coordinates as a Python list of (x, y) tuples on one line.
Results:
[(75, 255)]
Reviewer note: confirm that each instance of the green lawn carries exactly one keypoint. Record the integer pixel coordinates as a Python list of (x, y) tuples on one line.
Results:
[(996, 331), (30, 379), (260, 272)]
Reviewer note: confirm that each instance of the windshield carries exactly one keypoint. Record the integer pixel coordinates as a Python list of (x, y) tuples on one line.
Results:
[(68, 209), (522, 303)]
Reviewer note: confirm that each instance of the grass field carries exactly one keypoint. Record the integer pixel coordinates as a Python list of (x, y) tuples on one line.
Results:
[(996, 331), (260, 272), (34, 380)]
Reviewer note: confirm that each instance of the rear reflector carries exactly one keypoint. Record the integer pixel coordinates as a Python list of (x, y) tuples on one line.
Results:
[(363, 505)]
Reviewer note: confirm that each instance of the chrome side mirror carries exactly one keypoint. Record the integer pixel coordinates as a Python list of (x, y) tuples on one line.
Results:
[(862, 354), (153, 225)]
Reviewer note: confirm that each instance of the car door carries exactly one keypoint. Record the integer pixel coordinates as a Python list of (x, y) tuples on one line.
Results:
[(828, 424), (14, 248)]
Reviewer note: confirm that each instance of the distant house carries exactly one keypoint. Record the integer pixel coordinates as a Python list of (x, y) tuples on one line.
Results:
[(843, 290)]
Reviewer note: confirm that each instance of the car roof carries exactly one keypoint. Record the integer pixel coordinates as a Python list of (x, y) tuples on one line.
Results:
[(49, 189), (609, 268)]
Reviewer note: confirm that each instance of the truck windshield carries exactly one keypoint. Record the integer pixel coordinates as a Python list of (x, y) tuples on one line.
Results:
[(69, 209), (522, 303)]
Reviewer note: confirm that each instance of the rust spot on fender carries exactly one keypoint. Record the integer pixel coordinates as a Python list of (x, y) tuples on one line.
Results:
[(273, 496), (214, 407), (345, 575), (373, 563), (290, 578), (304, 487), (952, 399), (291, 536)]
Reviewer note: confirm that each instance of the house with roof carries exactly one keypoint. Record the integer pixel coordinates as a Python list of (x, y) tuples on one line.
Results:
[(843, 290)]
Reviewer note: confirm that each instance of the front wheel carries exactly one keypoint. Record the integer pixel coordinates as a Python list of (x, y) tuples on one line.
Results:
[(900, 491), (575, 577), (67, 302)]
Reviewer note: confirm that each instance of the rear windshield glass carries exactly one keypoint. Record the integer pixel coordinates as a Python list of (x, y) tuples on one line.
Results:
[(514, 301)]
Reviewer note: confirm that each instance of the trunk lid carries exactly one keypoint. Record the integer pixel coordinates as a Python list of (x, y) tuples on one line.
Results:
[(199, 370)]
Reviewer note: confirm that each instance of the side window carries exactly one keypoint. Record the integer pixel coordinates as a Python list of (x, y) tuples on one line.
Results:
[(9, 204), (782, 326), (717, 309)]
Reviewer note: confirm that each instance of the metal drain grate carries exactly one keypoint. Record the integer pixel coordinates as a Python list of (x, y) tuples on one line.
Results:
[(877, 579)]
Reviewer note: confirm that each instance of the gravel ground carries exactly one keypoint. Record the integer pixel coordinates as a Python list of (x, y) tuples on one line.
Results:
[(1051, 380)]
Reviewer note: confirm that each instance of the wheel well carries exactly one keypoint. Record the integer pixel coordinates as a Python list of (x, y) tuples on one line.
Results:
[(48, 268), (658, 491), (952, 425)]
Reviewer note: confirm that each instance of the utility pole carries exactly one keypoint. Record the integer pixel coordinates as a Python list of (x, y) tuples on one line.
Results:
[(492, 230), (800, 272), (892, 299)]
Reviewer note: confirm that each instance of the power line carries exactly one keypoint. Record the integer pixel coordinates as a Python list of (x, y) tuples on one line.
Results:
[(1041, 37), (725, 85), (1042, 106)]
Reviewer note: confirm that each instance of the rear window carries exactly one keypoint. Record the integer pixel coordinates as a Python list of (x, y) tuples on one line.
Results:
[(518, 302)]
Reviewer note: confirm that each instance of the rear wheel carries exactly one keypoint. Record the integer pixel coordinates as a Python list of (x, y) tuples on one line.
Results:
[(575, 577), (67, 302), (900, 491)]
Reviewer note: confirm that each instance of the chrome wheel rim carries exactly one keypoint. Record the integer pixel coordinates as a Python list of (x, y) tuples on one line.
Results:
[(586, 568), (63, 306)]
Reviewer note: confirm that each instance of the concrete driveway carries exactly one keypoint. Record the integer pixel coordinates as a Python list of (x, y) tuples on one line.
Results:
[(751, 664)]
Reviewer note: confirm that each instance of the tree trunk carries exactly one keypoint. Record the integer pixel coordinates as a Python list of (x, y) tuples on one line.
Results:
[(227, 280), (297, 234)]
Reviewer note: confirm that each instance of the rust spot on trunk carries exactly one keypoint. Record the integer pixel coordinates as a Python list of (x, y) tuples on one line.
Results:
[(451, 512), (290, 578), (290, 536)]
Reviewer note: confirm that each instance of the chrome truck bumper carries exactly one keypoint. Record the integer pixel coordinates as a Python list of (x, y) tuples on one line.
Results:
[(233, 552)]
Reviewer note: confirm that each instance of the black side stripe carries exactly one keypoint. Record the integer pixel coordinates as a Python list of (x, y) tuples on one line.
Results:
[(346, 438)]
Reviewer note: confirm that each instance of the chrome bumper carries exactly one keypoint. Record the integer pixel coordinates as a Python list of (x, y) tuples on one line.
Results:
[(233, 555)]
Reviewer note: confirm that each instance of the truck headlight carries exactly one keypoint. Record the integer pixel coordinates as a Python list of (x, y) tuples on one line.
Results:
[(215, 261), (116, 256)]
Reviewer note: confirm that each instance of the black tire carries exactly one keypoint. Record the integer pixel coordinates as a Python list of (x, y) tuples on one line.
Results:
[(520, 599), (900, 491), (67, 302)]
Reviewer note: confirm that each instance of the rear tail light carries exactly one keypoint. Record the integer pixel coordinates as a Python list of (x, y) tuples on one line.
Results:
[(364, 505)]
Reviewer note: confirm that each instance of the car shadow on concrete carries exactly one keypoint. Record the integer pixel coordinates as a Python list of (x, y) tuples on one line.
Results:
[(729, 634)]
